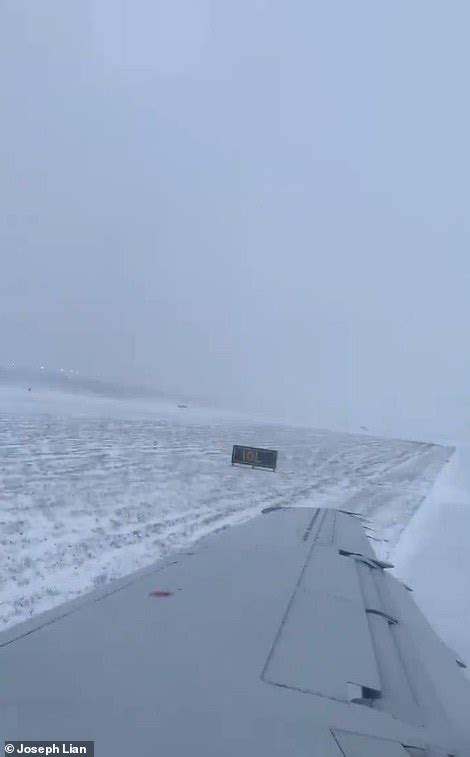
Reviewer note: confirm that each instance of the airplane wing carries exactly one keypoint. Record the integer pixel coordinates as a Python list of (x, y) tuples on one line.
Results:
[(282, 637)]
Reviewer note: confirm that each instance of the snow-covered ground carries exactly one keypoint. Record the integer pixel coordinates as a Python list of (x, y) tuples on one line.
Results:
[(92, 489)]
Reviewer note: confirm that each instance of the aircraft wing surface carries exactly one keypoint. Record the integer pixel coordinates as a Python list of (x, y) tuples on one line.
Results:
[(282, 637)]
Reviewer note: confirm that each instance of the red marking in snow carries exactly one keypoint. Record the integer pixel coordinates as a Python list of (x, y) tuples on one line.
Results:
[(160, 593)]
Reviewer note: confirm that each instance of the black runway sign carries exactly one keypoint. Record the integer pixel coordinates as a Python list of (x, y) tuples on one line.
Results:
[(255, 457)]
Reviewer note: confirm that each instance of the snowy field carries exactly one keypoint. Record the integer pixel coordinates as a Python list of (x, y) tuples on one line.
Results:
[(92, 489)]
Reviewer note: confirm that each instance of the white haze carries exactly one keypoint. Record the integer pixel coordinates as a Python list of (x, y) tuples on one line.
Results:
[(262, 203)]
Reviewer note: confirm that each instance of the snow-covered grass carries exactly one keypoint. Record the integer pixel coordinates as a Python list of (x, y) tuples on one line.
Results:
[(92, 489)]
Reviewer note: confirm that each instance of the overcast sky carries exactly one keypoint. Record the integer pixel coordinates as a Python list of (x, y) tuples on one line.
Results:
[(262, 202)]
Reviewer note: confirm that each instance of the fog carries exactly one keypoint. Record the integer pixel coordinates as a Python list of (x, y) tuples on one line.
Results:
[(257, 202)]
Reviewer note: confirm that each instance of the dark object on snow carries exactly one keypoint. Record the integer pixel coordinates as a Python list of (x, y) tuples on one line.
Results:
[(254, 456), (181, 405), (29, 388)]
